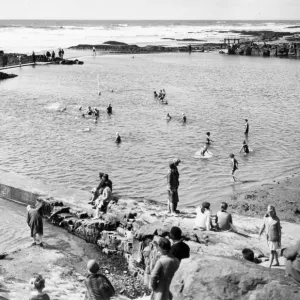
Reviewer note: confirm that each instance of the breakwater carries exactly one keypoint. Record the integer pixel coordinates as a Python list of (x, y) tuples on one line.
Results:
[(132, 227)]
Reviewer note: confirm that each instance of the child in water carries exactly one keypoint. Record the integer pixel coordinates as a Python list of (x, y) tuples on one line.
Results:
[(234, 165), (118, 138), (208, 140), (245, 148)]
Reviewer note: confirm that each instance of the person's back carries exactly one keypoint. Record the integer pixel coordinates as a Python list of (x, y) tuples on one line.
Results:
[(40, 296), (224, 220), (98, 287), (180, 250)]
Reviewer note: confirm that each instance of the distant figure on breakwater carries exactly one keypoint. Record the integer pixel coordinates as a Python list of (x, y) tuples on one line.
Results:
[(163, 272), (246, 127), (48, 55), (234, 165), (245, 148), (190, 49), (97, 285), (109, 109), (20, 60), (94, 51), (33, 57), (183, 119), (53, 55), (118, 138), (35, 222), (38, 283)]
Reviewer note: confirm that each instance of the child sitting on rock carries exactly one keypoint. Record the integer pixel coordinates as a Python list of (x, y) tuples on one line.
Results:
[(38, 283)]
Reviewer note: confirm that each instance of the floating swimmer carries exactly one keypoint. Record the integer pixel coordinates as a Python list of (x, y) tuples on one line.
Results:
[(111, 90), (80, 108), (245, 148), (87, 129), (118, 138), (99, 93), (63, 109)]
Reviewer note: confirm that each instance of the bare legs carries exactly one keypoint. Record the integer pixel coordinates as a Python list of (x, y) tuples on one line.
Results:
[(272, 255)]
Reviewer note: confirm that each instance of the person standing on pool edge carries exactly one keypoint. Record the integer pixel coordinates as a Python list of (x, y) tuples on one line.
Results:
[(234, 164), (173, 183), (246, 127)]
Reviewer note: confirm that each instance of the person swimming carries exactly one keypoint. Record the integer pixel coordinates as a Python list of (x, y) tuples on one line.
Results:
[(118, 138), (208, 140), (109, 109), (183, 119), (168, 117), (155, 94), (245, 148)]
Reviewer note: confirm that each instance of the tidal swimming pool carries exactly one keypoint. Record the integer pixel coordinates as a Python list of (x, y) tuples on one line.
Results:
[(216, 93)]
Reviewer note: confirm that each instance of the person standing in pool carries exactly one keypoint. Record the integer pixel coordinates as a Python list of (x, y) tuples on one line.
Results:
[(245, 148), (118, 138), (234, 165), (208, 140), (246, 127), (183, 119), (109, 109)]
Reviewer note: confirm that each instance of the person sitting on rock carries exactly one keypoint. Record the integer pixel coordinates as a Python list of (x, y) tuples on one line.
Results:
[(292, 265), (98, 287), (202, 220), (179, 249), (38, 283), (104, 181), (163, 272), (102, 201), (224, 219)]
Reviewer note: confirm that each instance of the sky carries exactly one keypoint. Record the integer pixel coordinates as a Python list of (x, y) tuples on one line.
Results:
[(151, 9)]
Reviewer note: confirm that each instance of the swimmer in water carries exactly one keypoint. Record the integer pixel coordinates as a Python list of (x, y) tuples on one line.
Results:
[(97, 113), (155, 94), (89, 111), (234, 165), (63, 109), (118, 138), (99, 93), (111, 91), (168, 117), (80, 108), (183, 119), (109, 109), (245, 148), (208, 140)]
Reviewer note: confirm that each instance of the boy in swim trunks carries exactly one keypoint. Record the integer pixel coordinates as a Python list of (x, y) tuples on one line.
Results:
[(208, 140), (234, 165)]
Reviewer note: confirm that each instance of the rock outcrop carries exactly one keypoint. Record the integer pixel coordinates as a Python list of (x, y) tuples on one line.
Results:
[(219, 278), (6, 76)]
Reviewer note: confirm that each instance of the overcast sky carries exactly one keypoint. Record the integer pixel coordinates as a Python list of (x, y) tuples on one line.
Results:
[(150, 9)]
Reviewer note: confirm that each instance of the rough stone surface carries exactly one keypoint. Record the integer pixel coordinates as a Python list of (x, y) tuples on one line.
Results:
[(219, 278)]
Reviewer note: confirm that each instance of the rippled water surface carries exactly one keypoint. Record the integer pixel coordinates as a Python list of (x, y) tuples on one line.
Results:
[(216, 92)]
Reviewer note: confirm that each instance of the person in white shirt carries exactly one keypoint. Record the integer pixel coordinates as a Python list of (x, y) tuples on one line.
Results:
[(202, 220)]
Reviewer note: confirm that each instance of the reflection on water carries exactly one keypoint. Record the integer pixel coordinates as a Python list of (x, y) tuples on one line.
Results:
[(215, 92)]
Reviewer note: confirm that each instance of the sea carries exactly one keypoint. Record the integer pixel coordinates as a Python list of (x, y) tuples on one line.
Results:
[(216, 92), (24, 36)]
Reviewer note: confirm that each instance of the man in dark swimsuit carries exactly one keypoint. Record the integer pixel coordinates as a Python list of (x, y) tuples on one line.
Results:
[(234, 164)]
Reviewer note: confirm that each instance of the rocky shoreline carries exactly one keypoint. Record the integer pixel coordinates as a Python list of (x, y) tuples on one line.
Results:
[(132, 227)]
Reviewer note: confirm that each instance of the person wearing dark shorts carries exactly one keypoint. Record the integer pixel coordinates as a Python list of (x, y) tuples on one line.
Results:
[(173, 183), (245, 148)]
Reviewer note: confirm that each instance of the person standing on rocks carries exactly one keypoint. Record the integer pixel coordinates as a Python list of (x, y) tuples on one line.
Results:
[(273, 229), (35, 222), (173, 184), (163, 272), (98, 287), (179, 249)]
